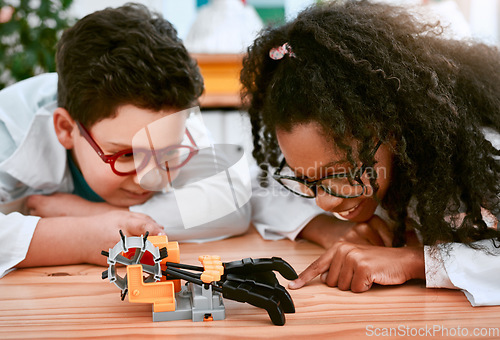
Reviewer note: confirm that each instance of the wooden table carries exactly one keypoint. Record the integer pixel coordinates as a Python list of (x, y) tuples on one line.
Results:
[(74, 302)]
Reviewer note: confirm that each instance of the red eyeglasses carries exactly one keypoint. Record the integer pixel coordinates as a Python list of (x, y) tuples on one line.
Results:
[(130, 161)]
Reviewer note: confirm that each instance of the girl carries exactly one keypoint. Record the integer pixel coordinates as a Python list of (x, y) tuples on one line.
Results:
[(393, 127)]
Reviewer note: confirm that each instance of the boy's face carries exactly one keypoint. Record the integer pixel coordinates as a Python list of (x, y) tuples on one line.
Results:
[(116, 134)]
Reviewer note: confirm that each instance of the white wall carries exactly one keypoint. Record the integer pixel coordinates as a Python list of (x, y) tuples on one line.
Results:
[(80, 8), (181, 13), (230, 127), (480, 18)]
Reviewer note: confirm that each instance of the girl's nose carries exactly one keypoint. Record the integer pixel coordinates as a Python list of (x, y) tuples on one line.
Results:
[(326, 201)]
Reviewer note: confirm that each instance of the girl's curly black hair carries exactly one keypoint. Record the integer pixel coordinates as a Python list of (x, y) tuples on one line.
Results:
[(372, 71)]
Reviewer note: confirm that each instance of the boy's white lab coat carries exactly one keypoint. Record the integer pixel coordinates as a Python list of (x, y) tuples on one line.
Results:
[(32, 161)]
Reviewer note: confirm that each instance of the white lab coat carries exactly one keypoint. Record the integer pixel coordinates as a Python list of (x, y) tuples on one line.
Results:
[(457, 266), (32, 161)]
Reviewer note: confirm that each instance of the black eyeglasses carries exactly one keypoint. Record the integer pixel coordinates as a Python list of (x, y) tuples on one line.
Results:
[(343, 185)]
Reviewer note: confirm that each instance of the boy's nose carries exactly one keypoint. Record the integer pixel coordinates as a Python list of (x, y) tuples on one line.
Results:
[(152, 178), (327, 202)]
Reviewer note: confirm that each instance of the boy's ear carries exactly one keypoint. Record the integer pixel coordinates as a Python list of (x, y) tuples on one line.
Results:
[(65, 127)]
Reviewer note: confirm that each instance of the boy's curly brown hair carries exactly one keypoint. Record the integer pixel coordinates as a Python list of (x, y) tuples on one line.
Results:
[(124, 55), (373, 72)]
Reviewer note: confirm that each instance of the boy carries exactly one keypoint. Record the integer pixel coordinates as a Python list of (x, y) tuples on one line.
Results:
[(119, 71)]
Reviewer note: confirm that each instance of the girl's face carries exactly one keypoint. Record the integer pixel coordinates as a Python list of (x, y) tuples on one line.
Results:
[(311, 156)]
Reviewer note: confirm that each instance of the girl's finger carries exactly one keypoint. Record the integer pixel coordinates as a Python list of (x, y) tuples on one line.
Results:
[(316, 268)]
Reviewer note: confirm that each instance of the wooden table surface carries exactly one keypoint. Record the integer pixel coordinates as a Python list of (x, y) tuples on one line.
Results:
[(74, 302)]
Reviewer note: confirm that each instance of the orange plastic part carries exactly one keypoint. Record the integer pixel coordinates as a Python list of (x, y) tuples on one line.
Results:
[(213, 268), (160, 294), (173, 255)]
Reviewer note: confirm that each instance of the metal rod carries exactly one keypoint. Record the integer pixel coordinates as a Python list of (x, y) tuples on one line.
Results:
[(182, 272), (182, 275), (184, 266)]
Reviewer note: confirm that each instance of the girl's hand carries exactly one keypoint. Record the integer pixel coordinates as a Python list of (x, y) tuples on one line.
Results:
[(326, 230), (357, 267), (374, 232), (63, 204)]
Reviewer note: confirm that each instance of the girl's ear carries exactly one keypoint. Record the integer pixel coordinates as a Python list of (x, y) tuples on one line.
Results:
[(65, 127)]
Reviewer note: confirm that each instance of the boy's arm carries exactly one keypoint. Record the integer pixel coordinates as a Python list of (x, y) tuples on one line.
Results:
[(32, 241), (63, 204), (71, 240)]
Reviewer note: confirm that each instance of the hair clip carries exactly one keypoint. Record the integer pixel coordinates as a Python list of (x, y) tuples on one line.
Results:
[(277, 53)]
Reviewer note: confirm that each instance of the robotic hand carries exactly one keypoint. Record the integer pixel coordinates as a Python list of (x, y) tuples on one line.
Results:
[(247, 280)]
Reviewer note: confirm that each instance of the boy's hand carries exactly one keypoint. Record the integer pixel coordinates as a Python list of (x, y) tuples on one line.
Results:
[(357, 267), (104, 231), (63, 204)]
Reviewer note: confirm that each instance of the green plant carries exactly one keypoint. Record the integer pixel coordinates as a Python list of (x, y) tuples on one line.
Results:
[(28, 38)]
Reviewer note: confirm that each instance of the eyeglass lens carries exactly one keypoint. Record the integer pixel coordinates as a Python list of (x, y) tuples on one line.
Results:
[(339, 186), (167, 159)]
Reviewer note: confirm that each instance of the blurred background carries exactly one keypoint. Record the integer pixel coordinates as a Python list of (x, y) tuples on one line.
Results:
[(216, 32)]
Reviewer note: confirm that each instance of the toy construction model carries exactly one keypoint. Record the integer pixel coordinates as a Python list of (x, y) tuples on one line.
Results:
[(152, 274)]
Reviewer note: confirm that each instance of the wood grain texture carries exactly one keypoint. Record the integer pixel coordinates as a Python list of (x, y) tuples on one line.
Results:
[(73, 302)]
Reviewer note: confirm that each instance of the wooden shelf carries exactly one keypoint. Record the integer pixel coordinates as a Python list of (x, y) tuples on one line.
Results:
[(221, 74)]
